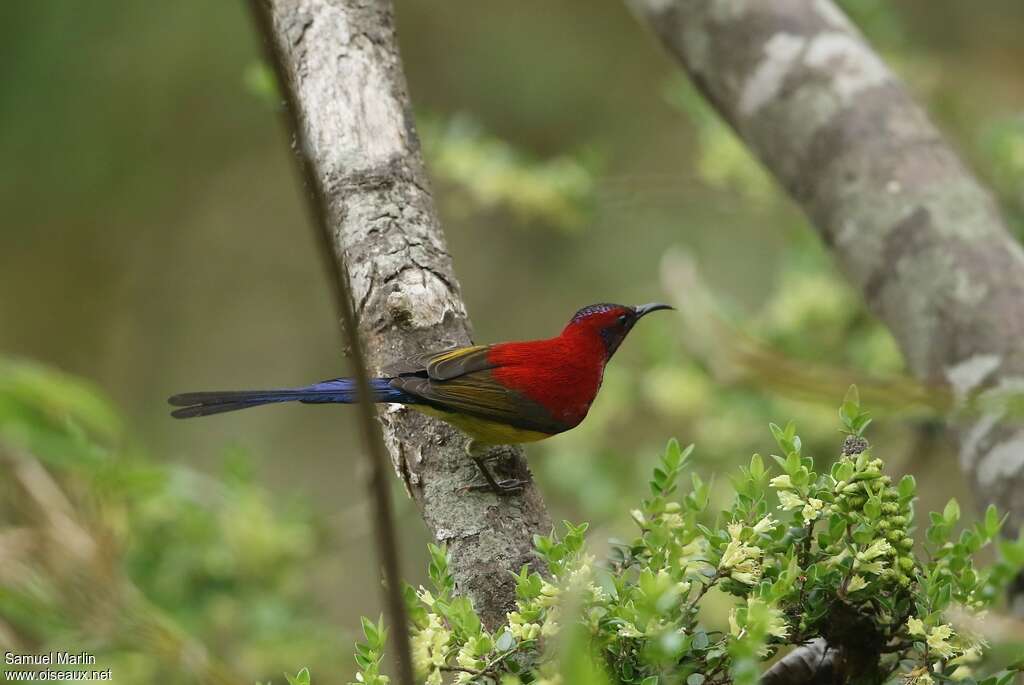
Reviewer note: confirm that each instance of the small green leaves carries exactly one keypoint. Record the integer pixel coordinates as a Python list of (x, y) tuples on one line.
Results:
[(374, 632), (992, 521), (462, 618), (951, 514), (842, 538), (843, 471), (757, 467), (751, 480), (557, 552), (873, 508), (907, 488), (787, 439), (1013, 551), (438, 570), (672, 462), (368, 656), (417, 613), (505, 641), (300, 678), (528, 584), (854, 419)]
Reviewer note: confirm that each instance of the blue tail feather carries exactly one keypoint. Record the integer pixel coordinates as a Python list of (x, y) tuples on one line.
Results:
[(334, 391)]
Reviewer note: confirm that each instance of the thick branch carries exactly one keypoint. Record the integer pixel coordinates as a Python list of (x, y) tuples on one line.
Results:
[(343, 79), (907, 222)]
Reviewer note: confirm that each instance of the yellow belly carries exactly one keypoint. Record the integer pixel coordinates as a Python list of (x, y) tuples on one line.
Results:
[(482, 430)]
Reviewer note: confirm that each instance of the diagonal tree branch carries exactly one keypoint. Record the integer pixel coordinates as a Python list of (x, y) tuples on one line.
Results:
[(340, 70), (906, 221)]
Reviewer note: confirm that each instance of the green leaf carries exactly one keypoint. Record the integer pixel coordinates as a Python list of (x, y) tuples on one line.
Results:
[(700, 640), (756, 466), (792, 463), (907, 487), (505, 641), (370, 631), (300, 678), (685, 456), (844, 471), (992, 521), (673, 456), (1013, 552), (951, 513), (938, 534), (863, 534), (861, 424)]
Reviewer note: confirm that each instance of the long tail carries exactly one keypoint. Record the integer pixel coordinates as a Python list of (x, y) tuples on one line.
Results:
[(338, 390)]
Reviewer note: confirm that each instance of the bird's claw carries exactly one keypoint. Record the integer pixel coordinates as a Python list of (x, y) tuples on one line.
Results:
[(508, 486), (505, 486)]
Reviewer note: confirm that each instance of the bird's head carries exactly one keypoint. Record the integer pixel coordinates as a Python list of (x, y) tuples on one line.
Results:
[(610, 323)]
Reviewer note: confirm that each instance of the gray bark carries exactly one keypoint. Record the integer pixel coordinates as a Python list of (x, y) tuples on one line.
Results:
[(906, 221), (344, 83)]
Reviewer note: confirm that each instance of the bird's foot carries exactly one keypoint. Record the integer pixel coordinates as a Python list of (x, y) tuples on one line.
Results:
[(504, 486), (508, 486)]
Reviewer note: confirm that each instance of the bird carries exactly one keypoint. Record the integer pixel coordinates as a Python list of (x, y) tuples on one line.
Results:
[(499, 394)]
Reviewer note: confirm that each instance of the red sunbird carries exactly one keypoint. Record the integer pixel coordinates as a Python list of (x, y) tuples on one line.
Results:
[(507, 393)]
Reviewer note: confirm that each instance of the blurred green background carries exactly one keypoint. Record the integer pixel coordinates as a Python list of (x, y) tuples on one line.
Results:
[(155, 241)]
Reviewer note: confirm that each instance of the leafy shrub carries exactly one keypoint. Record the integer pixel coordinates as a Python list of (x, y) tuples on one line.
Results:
[(166, 574), (802, 555)]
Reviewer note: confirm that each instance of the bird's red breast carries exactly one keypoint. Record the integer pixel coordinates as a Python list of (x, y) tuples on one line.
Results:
[(563, 374)]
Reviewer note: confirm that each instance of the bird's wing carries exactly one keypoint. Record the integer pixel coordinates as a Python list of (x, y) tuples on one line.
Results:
[(478, 394), (446, 364), (460, 380), (457, 362)]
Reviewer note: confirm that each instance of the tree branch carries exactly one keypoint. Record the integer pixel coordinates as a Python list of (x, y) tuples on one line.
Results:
[(907, 222), (340, 70), (810, 664)]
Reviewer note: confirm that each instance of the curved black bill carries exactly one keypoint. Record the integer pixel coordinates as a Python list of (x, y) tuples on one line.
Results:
[(645, 309)]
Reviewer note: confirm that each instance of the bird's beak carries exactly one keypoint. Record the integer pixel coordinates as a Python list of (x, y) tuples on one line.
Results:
[(645, 309)]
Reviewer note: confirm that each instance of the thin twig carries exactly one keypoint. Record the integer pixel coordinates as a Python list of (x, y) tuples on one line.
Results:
[(692, 606)]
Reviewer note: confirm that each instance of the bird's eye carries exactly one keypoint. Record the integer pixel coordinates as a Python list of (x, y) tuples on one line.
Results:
[(622, 319)]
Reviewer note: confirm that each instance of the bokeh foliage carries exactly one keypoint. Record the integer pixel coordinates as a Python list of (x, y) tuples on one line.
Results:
[(165, 574)]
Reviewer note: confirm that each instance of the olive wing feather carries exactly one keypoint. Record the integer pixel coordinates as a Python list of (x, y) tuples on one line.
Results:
[(458, 362), (478, 394), (460, 380), (446, 364)]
